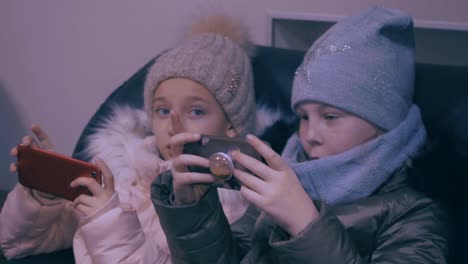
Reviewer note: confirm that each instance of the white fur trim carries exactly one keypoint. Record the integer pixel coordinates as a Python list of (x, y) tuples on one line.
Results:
[(125, 143)]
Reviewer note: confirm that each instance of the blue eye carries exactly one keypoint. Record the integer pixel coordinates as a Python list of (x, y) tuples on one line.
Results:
[(197, 112), (162, 112)]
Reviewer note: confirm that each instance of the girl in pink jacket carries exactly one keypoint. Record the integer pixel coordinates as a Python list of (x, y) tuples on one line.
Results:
[(204, 85)]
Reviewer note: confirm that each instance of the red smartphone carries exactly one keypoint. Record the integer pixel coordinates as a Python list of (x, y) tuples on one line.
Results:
[(209, 145), (52, 173)]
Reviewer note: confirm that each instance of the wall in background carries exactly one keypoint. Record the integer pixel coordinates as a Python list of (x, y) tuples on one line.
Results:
[(436, 42), (60, 59)]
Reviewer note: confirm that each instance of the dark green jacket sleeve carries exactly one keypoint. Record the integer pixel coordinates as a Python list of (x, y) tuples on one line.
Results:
[(197, 233), (325, 240), (417, 236)]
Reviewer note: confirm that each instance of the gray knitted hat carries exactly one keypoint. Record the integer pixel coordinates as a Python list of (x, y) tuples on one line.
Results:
[(219, 64), (364, 65)]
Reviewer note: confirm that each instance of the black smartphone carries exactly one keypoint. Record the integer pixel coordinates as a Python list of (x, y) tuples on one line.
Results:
[(218, 147), (52, 173)]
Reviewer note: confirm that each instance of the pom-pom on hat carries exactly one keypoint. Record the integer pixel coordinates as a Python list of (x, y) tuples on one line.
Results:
[(215, 56)]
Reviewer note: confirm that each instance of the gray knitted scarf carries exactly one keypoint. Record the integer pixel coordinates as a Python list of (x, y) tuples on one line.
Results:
[(358, 172)]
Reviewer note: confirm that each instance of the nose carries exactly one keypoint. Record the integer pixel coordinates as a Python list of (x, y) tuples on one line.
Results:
[(312, 134), (175, 125)]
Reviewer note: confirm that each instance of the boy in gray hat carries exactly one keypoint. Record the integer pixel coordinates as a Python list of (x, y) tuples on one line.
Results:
[(338, 194)]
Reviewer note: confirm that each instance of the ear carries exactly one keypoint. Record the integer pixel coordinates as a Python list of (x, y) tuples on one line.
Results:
[(230, 132)]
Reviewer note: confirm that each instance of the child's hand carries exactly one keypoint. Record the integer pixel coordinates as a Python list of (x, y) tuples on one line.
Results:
[(189, 186), (87, 204), (42, 142), (275, 188)]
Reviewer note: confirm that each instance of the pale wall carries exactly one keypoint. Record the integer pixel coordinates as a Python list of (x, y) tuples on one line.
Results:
[(60, 59)]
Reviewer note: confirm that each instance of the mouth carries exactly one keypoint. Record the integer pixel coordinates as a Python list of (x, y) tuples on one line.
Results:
[(313, 157)]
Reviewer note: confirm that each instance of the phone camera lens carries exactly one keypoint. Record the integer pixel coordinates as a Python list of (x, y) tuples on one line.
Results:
[(93, 174)]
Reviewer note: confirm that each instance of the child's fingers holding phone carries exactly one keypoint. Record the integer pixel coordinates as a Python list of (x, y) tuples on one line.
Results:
[(189, 187), (272, 158), (44, 141), (256, 167), (276, 188), (180, 166), (13, 168), (100, 194), (178, 141), (40, 139), (31, 141), (93, 186), (27, 141), (250, 181), (13, 153), (85, 204)]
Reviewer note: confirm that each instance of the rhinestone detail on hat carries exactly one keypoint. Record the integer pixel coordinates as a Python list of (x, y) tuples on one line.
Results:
[(321, 51), (235, 81), (330, 49)]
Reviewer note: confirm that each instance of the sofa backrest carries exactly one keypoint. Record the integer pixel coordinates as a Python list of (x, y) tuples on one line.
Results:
[(441, 93)]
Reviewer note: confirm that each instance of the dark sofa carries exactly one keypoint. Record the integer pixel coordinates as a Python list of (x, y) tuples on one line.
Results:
[(441, 93)]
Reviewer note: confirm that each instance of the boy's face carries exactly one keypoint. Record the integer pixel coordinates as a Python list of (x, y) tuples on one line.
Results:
[(182, 105), (326, 131)]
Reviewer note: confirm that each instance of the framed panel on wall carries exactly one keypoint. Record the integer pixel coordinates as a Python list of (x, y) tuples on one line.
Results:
[(437, 42)]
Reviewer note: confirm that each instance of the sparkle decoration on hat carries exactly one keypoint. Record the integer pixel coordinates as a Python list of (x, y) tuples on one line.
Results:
[(327, 50), (235, 81), (319, 52)]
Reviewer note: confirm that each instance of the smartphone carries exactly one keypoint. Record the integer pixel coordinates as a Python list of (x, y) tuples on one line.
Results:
[(52, 173), (209, 145)]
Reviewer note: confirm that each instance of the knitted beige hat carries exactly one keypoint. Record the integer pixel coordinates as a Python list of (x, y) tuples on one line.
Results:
[(211, 58)]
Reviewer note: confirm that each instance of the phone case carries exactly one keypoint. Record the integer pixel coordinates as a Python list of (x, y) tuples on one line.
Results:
[(52, 173), (209, 145)]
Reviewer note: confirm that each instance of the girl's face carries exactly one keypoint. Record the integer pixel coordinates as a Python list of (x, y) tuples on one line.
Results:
[(326, 131), (182, 105)]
